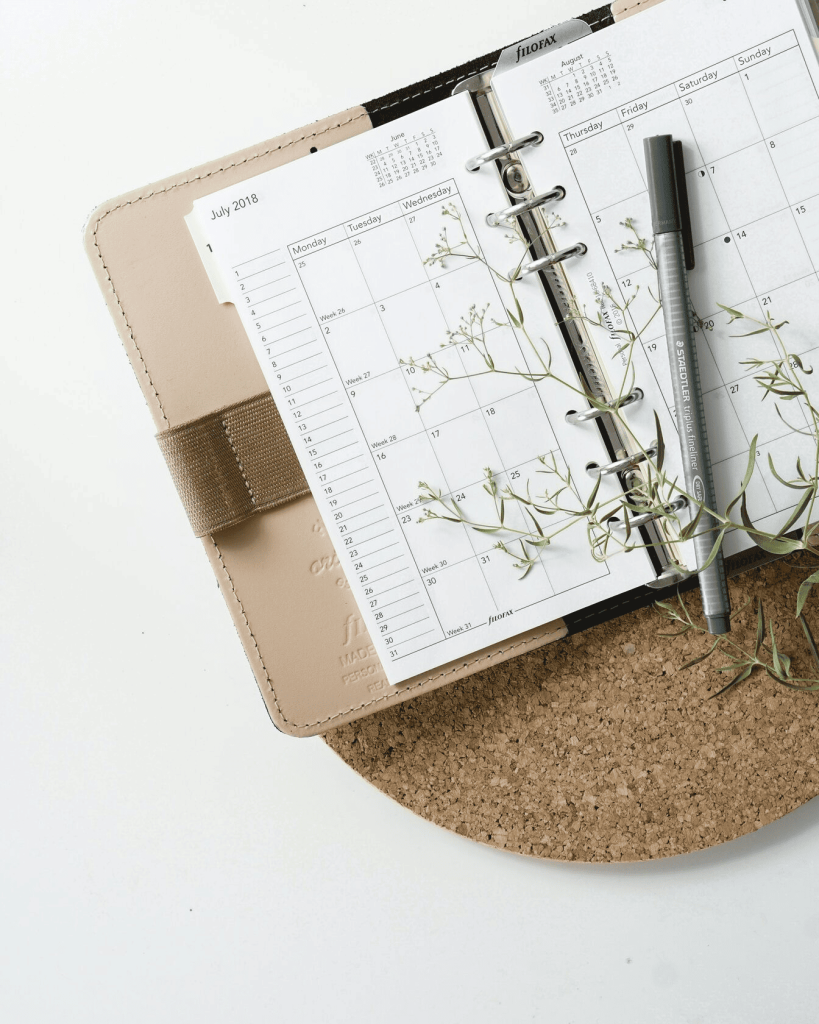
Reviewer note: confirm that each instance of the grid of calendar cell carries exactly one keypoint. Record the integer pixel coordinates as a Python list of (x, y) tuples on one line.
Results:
[(750, 133), (402, 270), (719, 136), (729, 286), (794, 157), (360, 345), (798, 304), (504, 351), (428, 389), (414, 322), (729, 349), (460, 595), (484, 510), (759, 241), (471, 288), (781, 92), (415, 343)]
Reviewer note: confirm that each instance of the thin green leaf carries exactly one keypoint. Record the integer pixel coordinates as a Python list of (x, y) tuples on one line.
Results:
[(760, 628), (702, 657), (537, 524), (774, 546), (809, 638), (660, 442), (512, 317), (801, 505), (593, 495), (737, 679), (627, 522), (735, 313), (804, 593), (689, 529), (777, 664), (668, 609), (749, 472), (787, 483), (714, 551)]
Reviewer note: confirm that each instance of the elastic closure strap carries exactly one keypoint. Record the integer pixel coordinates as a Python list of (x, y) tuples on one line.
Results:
[(233, 463)]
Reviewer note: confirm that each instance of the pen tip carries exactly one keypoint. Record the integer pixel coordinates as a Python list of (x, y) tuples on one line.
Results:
[(718, 624)]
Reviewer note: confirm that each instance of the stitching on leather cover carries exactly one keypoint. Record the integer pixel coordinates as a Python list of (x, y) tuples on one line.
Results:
[(457, 78), (631, 7), (125, 318), (249, 630), (555, 634), (431, 88), (376, 700), (238, 461)]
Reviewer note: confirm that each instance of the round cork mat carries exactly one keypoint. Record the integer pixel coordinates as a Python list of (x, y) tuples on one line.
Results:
[(599, 748)]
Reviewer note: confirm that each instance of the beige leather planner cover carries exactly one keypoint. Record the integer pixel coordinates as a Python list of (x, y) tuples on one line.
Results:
[(290, 603)]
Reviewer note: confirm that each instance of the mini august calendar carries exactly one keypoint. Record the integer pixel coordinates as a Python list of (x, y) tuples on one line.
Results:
[(348, 303)]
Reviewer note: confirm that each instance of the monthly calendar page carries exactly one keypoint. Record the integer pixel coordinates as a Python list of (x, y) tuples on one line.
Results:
[(736, 82), (326, 260)]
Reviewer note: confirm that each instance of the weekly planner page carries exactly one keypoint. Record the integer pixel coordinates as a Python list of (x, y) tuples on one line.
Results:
[(736, 82), (328, 262)]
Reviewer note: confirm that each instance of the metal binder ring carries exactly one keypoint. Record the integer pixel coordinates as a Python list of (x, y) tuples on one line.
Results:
[(592, 414), (549, 261), (505, 216), (532, 139), (622, 465), (649, 517)]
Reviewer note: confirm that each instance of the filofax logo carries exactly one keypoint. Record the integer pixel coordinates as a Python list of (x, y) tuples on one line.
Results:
[(538, 44)]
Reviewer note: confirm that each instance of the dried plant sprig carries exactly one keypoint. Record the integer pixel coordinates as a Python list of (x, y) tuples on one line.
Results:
[(765, 655), (652, 489)]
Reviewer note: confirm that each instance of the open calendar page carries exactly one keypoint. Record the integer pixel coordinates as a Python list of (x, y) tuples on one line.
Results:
[(736, 82), (326, 262)]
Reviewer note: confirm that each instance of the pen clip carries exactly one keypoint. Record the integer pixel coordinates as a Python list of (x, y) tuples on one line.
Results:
[(682, 204)]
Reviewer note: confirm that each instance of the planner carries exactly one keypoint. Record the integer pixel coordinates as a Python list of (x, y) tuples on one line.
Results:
[(415, 379), (307, 430)]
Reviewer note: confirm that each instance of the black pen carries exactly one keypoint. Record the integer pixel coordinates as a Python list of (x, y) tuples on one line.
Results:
[(674, 251)]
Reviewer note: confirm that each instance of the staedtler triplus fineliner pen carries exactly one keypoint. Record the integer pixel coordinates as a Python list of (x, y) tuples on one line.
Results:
[(675, 257)]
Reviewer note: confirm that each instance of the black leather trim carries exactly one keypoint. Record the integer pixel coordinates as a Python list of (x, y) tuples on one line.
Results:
[(438, 87), (641, 597)]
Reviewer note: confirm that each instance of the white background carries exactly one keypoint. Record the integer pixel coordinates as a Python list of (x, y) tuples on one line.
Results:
[(165, 854)]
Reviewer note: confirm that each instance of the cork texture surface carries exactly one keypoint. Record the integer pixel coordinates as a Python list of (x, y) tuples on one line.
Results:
[(599, 748)]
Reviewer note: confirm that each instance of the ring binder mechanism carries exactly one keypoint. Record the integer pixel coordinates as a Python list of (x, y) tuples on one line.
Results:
[(549, 261), (499, 152), (649, 517), (592, 414), (505, 217), (623, 465)]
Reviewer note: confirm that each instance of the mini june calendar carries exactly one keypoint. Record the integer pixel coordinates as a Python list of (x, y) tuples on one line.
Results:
[(745, 105)]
